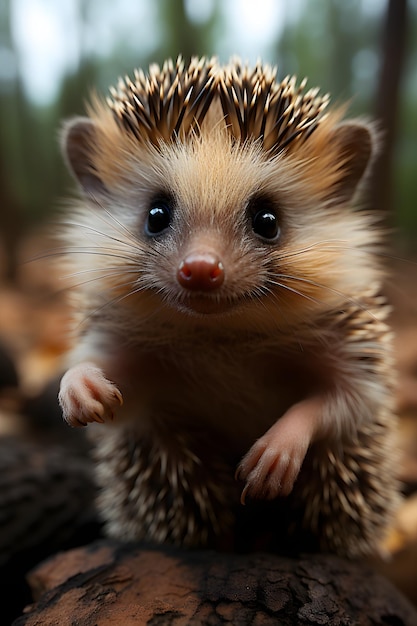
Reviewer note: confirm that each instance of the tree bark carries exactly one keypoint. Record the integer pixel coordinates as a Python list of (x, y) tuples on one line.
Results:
[(114, 583), (387, 103)]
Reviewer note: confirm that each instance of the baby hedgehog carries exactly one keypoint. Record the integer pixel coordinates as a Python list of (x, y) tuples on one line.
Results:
[(233, 346)]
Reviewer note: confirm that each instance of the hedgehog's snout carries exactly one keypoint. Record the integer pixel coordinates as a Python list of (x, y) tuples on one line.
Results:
[(201, 271)]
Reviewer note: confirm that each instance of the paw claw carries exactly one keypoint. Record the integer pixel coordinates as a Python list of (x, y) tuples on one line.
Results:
[(98, 418), (118, 396), (243, 494), (87, 396)]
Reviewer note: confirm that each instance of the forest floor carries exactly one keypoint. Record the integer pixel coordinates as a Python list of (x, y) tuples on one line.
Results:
[(34, 332)]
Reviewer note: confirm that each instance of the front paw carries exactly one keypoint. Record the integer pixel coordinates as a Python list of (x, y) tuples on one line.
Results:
[(87, 396), (272, 465)]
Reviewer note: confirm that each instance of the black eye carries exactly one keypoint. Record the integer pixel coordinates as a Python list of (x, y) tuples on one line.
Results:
[(265, 224), (159, 217)]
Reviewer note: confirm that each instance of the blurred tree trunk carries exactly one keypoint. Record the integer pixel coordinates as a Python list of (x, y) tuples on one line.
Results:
[(182, 36), (11, 226), (11, 203), (387, 103)]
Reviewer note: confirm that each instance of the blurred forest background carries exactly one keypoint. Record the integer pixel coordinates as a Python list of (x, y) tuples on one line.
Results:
[(53, 53)]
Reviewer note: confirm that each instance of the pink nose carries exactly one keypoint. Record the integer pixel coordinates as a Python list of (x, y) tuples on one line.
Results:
[(201, 271)]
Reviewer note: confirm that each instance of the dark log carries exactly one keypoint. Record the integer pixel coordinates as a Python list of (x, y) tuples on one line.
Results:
[(114, 583), (393, 47), (46, 504), (45, 498)]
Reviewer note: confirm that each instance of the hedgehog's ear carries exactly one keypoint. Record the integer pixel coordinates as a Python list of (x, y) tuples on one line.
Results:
[(78, 142), (354, 144)]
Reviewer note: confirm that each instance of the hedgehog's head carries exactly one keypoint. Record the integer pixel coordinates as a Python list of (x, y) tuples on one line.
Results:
[(230, 187)]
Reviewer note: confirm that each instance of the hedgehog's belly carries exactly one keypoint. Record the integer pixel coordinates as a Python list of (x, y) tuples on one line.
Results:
[(235, 396)]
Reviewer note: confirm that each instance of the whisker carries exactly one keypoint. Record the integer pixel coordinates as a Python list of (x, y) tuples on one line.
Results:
[(289, 325), (97, 279), (277, 283), (123, 229), (66, 252), (116, 270), (342, 245), (109, 252), (113, 273), (313, 283), (105, 236), (113, 301), (322, 245)]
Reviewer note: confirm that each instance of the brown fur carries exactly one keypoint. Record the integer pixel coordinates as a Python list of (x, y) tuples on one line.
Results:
[(287, 363)]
